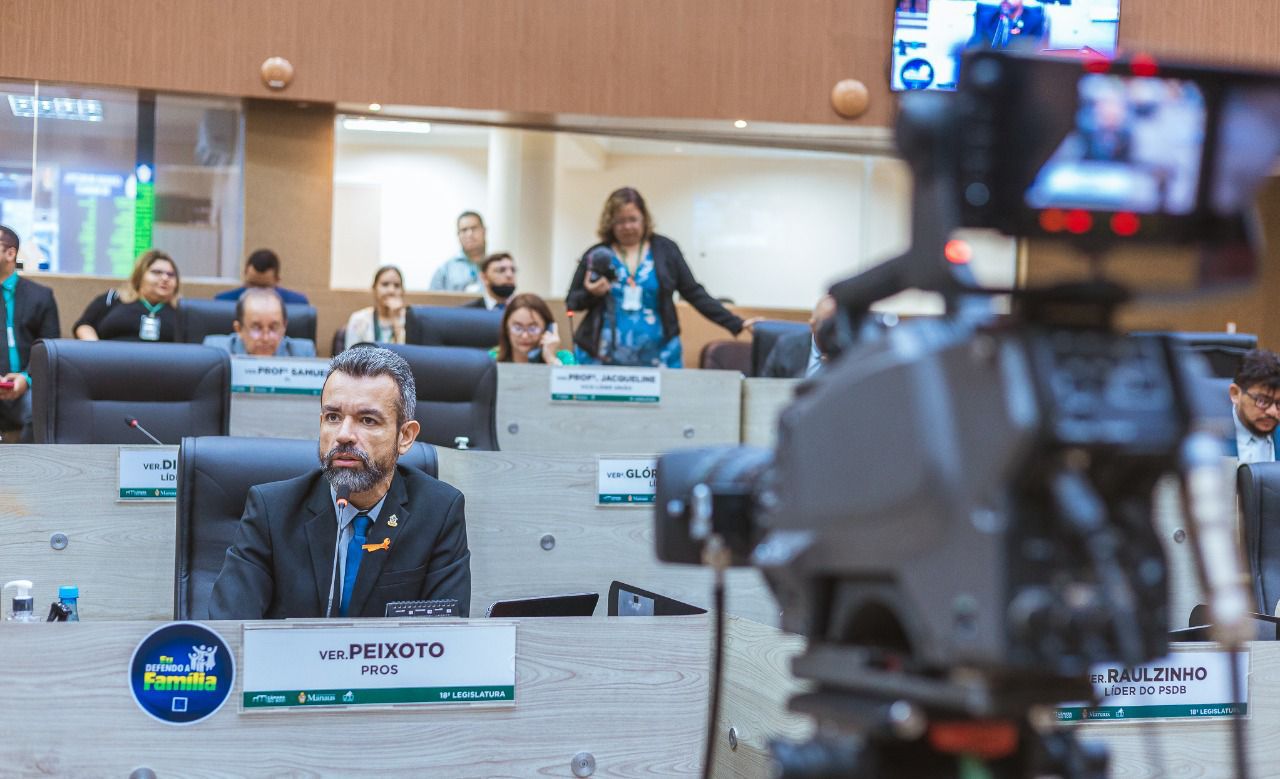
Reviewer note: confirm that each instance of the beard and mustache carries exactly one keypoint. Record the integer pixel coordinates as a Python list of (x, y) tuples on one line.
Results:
[(359, 479)]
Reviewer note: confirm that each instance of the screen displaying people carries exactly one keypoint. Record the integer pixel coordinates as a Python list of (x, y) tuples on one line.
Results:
[(1136, 146)]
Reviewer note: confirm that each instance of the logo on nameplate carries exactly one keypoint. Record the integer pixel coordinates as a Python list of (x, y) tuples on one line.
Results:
[(606, 384), (182, 673)]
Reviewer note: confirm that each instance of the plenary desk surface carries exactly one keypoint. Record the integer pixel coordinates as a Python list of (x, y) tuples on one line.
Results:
[(533, 527), (629, 691)]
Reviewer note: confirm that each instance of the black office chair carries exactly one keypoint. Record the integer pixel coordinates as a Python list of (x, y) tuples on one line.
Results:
[(83, 391), (198, 318), (1258, 487), (475, 328), (763, 337), (457, 395), (214, 477)]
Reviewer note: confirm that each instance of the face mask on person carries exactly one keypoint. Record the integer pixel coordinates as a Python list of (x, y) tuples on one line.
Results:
[(503, 291)]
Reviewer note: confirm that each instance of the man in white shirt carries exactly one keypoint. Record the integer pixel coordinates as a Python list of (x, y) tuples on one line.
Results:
[(1255, 396)]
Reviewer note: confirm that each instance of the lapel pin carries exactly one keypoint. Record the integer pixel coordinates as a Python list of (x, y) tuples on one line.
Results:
[(393, 520), (386, 544)]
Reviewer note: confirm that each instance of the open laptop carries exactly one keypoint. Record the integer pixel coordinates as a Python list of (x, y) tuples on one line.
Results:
[(581, 604), (627, 600)]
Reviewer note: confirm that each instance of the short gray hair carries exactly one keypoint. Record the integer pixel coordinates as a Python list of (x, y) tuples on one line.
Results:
[(370, 361), (265, 293)]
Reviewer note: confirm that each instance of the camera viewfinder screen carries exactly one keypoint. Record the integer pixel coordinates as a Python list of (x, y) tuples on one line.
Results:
[(1136, 146), (930, 35)]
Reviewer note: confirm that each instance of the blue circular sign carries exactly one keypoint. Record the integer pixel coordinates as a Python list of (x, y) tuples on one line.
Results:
[(182, 673), (917, 73)]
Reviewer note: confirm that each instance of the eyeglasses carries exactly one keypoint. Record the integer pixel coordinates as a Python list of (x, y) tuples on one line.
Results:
[(1263, 402), (164, 274), (521, 330), (257, 331)]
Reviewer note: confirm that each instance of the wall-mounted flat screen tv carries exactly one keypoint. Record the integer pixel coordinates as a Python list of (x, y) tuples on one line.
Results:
[(930, 35)]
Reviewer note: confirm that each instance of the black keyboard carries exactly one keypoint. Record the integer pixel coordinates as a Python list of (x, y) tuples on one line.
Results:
[(445, 607)]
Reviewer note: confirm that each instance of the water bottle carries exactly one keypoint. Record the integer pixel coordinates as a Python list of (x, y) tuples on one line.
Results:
[(69, 595), (23, 604)]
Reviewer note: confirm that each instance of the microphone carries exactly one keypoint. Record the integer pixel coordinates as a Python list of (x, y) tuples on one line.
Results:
[(132, 422), (342, 496)]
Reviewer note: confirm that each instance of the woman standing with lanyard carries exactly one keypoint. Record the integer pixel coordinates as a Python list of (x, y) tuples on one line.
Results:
[(626, 282), (145, 309)]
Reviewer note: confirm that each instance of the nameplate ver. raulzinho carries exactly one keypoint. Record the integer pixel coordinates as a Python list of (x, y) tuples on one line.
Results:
[(606, 384), (278, 375), (320, 666), (1195, 684)]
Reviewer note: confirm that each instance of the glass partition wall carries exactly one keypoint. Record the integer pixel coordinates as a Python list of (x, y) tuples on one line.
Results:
[(91, 176)]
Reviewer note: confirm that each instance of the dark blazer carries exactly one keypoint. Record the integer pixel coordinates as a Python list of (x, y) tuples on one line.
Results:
[(789, 357), (673, 276), (477, 303), (35, 316), (281, 562)]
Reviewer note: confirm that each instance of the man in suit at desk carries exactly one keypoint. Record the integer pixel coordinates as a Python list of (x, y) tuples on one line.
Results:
[(499, 276), (28, 313), (1255, 398), (800, 355), (300, 553)]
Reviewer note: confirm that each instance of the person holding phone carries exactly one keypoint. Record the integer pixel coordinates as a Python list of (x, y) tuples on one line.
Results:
[(528, 334), (626, 284), (383, 322), (144, 309)]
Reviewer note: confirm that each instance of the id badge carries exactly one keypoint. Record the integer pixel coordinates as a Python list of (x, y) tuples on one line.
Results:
[(631, 297), (149, 328), (13, 341)]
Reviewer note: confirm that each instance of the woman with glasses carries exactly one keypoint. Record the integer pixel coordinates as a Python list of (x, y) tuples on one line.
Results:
[(144, 309), (383, 322), (625, 283), (528, 334)]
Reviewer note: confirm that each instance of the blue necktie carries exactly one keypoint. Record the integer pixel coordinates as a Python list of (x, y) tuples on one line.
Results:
[(354, 553)]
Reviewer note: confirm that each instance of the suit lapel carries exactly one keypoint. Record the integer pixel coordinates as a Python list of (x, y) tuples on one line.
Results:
[(322, 531), (372, 563)]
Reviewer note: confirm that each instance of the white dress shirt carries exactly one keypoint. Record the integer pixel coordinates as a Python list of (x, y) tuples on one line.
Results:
[(1251, 447)]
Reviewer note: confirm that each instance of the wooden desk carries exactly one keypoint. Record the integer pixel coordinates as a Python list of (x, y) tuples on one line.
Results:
[(630, 691), (762, 402), (698, 408), (122, 554)]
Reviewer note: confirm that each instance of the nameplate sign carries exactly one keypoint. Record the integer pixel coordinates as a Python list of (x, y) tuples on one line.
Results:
[(148, 472), (1181, 686), (606, 384), (312, 666), (278, 375), (626, 481)]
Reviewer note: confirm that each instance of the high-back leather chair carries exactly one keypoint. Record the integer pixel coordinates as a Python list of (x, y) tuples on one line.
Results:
[(83, 391), (457, 394), (1258, 487), (214, 477), (476, 328), (763, 337), (198, 318), (726, 356)]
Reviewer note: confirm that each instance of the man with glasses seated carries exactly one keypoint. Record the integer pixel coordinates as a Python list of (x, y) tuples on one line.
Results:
[(1255, 394), (259, 328)]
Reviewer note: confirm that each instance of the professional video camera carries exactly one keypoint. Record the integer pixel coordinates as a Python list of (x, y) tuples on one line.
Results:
[(958, 515)]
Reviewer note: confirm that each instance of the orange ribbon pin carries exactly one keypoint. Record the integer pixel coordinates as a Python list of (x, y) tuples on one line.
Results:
[(386, 544)]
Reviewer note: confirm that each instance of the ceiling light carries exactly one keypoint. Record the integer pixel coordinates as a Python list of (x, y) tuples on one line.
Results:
[(25, 107), (741, 124), (385, 126), (375, 106)]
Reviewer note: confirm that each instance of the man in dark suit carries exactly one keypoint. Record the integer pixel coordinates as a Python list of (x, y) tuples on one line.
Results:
[(798, 355), (28, 313), (498, 273), (299, 552), (1009, 24)]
